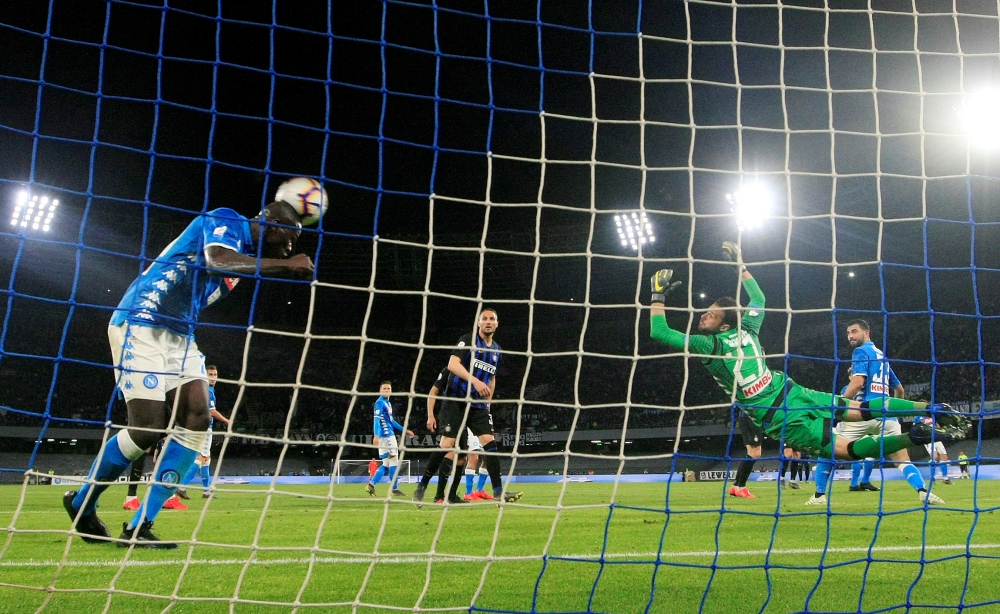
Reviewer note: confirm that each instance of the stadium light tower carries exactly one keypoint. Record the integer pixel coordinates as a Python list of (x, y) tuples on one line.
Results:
[(751, 204), (634, 229), (33, 212), (982, 122)]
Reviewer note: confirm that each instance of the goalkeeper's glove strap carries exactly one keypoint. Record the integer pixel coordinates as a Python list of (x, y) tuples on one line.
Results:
[(658, 298)]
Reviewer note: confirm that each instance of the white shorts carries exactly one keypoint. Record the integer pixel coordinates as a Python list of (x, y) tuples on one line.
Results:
[(154, 361), (853, 431), (206, 451), (473, 442), (938, 447), (387, 446)]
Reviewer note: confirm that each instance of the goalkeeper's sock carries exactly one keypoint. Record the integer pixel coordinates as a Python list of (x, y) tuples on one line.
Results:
[(492, 463), (891, 407), (469, 474), (433, 464), (867, 466), (174, 460), (855, 474), (743, 472), (379, 474), (193, 471), (913, 477), (875, 446), (206, 474), (444, 474), (483, 474), (823, 470), (115, 456)]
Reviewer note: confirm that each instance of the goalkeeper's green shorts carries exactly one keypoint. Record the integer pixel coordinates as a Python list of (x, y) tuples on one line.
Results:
[(807, 423)]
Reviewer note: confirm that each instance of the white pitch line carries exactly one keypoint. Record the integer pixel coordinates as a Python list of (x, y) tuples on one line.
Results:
[(423, 558)]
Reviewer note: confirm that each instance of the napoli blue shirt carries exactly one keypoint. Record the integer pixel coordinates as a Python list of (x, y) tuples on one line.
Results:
[(870, 362), (384, 422), (211, 406), (481, 360), (175, 288)]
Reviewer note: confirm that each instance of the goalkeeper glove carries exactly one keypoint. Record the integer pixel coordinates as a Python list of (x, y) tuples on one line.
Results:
[(730, 251), (661, 286)]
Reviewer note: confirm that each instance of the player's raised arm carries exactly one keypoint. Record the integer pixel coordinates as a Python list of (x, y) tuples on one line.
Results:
[(754, 316), (275, 238), (661, 287)]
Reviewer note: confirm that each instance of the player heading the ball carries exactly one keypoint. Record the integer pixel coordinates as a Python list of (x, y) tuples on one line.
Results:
[(157, 360)]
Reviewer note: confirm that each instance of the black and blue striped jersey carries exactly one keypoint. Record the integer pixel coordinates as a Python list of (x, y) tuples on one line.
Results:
[(481, 362)]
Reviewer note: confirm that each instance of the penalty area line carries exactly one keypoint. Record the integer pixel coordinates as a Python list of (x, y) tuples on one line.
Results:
[(423, 558)]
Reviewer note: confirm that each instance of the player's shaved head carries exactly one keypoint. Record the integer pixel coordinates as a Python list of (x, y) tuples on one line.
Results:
[(281, 212)]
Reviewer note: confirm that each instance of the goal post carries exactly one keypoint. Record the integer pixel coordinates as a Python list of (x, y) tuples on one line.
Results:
[(360, 471)]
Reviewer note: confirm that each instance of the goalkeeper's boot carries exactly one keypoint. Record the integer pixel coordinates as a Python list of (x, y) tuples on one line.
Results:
[(398, 493), (926, 430), (418, 495), (929, 498), (370, 489), (814, 500), (131, 504), (90, 527), (144, 537)]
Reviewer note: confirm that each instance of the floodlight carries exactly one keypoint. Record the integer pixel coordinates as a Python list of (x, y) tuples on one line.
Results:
[(752, 205), (634, 229), (979, 114), (33, 211)]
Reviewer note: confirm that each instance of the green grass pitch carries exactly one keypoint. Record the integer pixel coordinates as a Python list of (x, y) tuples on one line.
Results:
[(317, 551)]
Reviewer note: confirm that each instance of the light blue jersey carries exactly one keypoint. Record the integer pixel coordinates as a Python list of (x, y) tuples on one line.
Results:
[(175, 288), (211, 406), (384, 422), (870, 362)]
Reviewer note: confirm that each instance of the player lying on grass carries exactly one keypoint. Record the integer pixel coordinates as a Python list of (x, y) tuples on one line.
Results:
[(786, 411)]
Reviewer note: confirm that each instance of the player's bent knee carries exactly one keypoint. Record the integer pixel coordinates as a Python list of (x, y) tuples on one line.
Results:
[(753, 451)]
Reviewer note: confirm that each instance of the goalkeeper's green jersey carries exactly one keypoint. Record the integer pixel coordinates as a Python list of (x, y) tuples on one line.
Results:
[(734, 357)]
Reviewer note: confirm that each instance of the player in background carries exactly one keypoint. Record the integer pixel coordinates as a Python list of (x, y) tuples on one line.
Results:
[(939, 457), (730, 349), (203, 463), (963, 466), (752, 436), (434, 462), (872, 379), (789, 463), (385, 427), (470, 385), (473, 464), (158, 367)]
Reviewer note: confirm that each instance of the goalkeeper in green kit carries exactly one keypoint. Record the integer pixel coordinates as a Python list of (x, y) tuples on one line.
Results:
[(801, 417)]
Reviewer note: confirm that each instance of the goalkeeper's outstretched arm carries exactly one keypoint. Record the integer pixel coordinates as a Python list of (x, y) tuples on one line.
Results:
[(661, 287)]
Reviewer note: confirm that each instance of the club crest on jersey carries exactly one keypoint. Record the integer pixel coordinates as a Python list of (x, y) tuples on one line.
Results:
[(150, 381), (169, 477), (218, 232)]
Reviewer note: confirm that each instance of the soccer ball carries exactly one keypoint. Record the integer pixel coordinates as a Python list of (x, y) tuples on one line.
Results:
[(306, 196)]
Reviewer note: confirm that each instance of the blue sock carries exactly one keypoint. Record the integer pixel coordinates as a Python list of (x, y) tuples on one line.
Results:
[(481, 482), (855, 474), (912, 475), (468, 483), (944, 470), (174, 460), (206, 475), (823, 471), (867, 466), (392, 477), (379, 474), (112, 464), (193, 471)]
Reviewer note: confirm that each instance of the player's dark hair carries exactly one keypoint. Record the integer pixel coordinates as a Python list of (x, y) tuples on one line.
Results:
[(384, 382), (211, 367), (488, 308), (728, 306), (863, 324)]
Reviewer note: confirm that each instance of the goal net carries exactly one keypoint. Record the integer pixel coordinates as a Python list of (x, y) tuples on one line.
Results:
[(545, 160)]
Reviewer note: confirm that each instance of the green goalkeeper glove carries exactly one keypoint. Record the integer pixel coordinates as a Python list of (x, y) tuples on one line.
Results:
[(661, 286)]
